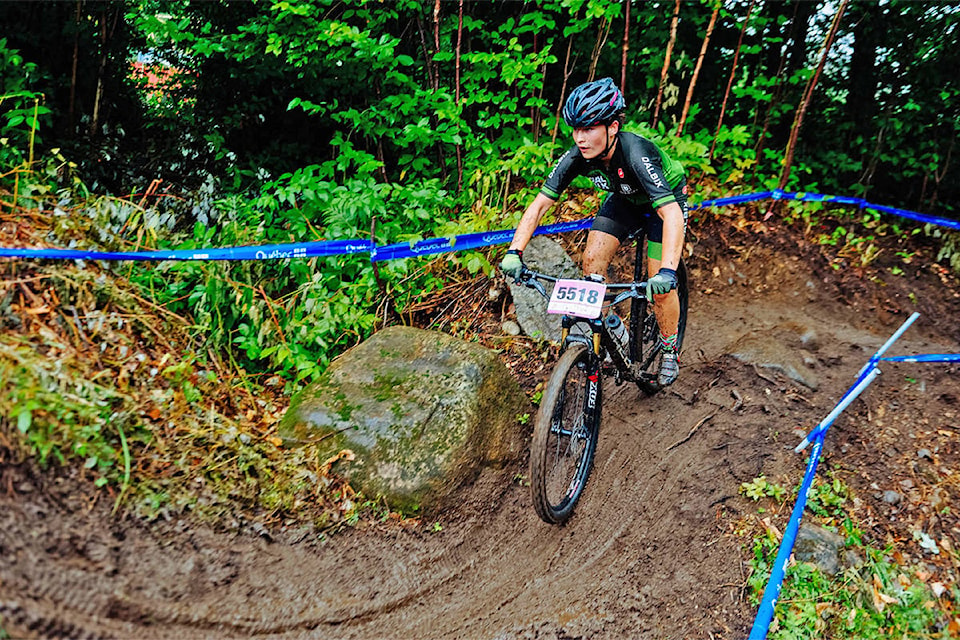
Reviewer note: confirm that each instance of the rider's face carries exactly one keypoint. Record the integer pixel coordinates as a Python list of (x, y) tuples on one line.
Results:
[(593, 140)]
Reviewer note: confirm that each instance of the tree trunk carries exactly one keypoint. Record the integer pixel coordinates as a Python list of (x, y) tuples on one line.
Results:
[(775, 98), (666, 62), (733, 74), (98, 96), (457, 93), (807, 95), (602, 34), (71, 110), (696, 70), (626, 48), (567, 70)]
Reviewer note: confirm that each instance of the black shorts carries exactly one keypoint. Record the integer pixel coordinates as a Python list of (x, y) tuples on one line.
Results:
[(620, 217)]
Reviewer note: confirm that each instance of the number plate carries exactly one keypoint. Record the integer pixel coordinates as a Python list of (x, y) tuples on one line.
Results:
[(580, 298)]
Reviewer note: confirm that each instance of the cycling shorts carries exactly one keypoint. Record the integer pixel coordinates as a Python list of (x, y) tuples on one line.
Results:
[(622, 218)]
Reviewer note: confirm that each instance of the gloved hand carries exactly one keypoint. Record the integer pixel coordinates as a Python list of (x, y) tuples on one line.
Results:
[(512, 264), (663, 282)]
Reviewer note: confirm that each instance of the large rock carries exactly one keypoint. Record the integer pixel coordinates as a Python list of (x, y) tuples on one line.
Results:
[(421, 410), (547, 256)]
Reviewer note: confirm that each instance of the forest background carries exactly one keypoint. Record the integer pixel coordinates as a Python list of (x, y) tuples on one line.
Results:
[(225, 123)]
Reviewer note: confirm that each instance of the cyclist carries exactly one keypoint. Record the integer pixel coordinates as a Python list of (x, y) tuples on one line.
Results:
[(647, 193)]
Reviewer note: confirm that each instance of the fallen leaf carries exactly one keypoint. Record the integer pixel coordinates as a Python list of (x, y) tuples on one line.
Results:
[(275, 441), (771, 529), (38, 310), (344, 454), (154, 414)]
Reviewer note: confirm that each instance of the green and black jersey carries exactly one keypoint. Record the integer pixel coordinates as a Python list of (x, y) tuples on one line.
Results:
[(639, 170)]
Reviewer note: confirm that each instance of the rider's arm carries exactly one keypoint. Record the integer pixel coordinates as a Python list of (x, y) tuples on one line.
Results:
[(673, 223), (530, 221)]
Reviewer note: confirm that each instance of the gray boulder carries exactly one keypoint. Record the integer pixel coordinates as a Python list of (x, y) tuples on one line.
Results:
[(547, 256), (422, 411)]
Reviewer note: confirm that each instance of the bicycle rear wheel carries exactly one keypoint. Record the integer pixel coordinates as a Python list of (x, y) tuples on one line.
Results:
[(565, 435), (645, 334)]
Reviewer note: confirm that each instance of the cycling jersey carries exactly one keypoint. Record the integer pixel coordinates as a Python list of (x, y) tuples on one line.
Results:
[(639, 170)]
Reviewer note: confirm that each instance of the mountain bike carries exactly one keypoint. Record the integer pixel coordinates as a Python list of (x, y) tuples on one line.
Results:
[(566, 428)]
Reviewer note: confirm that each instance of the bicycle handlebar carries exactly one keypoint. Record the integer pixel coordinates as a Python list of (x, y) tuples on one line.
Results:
[(530, 278)]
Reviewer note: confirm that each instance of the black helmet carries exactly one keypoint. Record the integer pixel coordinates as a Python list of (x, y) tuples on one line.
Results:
[(597, 102)]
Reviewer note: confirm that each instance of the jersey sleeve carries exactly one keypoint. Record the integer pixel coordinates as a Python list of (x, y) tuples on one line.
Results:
[(647, 162), (567, 168)]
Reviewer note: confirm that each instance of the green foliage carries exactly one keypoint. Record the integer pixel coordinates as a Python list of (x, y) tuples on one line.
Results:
[(63, 416), (22, 112), (761, 487)]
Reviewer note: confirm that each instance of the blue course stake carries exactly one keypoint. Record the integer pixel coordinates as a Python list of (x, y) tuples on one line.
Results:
[(771, 594)]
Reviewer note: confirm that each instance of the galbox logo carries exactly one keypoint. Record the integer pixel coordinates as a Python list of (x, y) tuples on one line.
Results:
[(297, 252)]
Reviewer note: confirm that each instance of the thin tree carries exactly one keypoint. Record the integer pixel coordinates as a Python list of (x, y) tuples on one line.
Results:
[(796, 31), (696, 70), (567, 70), (602, 34), (733, 74), (666, 62), (73, 71), (626, 48), (456, 90), (807, 95)]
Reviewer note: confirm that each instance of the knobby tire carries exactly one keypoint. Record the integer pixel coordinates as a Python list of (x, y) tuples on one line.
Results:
[(564, 436)]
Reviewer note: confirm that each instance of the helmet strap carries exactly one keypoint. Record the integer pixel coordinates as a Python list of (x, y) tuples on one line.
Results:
[(610, 143)]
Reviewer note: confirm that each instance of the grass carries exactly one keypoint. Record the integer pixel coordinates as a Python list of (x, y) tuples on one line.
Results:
[(104, 385), (873, 597)]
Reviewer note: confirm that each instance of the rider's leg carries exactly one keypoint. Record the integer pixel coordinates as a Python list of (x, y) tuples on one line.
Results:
[(666, 308), (600, 249)]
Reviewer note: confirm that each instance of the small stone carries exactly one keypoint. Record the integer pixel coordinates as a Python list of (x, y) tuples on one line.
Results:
[(892, 497), (244, 438), (819, 546), (907, 484), (925, 453), (510, 328)]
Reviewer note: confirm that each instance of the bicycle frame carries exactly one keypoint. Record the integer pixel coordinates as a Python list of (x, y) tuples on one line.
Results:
[(601, 342)]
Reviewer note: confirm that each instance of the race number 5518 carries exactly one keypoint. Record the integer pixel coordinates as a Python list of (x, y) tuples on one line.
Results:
[(580, 298)]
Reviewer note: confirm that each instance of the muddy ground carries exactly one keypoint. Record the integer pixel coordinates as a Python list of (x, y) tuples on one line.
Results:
[(652, 550)]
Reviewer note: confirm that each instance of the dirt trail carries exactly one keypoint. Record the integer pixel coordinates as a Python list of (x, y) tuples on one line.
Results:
[(649, 552)]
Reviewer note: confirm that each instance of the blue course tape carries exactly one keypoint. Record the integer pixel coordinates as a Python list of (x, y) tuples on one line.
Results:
[(926, 357), (467, 241), (430, 245), (260, 252)]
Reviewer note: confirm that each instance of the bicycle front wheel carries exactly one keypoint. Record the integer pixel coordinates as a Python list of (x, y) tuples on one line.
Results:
[(565, 435)]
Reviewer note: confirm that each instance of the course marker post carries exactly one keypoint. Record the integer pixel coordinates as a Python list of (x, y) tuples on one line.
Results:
[(771, 594)]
